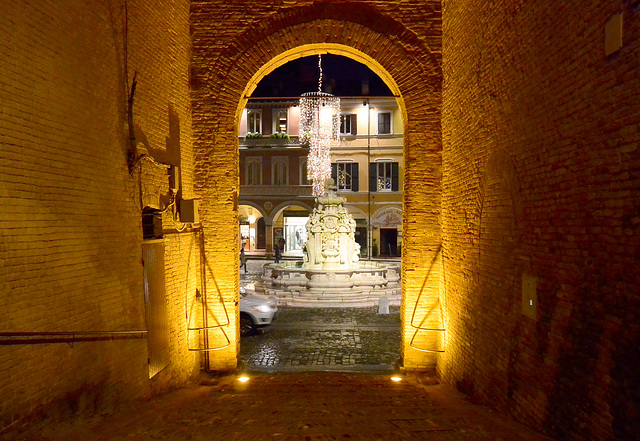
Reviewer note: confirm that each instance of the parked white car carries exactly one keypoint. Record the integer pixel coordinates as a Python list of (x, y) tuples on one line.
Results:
[(256, 312)]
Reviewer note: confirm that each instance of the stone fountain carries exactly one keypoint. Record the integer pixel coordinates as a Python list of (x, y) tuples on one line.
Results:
[(331, 273)]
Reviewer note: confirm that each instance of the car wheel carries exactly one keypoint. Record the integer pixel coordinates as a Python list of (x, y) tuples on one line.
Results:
[(247, 327)]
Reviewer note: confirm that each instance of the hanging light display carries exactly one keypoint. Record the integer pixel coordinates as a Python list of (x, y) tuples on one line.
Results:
[(320, 129)]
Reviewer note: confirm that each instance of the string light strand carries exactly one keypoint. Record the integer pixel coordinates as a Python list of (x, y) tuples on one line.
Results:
[(320, 129)]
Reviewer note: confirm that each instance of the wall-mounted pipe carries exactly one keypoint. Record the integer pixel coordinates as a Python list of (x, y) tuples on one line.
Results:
[(37, 338), (132, 149)]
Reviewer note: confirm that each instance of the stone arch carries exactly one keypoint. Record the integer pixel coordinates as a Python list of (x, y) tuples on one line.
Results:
[(353, 210), (393, 211), (282, 205), (227, 67), (258, 207)]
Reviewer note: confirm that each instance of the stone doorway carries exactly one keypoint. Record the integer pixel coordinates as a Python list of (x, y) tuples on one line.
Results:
[(388, 242)]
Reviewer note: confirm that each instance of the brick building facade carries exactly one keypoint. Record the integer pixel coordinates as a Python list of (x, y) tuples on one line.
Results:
[(520, 197)]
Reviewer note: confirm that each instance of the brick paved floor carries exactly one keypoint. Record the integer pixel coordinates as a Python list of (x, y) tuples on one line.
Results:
[(301, 406)]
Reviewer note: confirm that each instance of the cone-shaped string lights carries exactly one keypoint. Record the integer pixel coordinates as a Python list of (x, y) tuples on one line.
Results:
[(320, 128)]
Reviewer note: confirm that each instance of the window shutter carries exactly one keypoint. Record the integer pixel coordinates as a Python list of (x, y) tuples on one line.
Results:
[(354, 124), (373, 177), (334, 172), (394, 176), (355, 177)]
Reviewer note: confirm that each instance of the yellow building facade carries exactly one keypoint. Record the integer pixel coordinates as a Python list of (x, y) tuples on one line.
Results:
[(367, 167)]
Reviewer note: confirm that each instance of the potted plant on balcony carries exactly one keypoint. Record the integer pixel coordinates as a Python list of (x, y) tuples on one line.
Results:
[(279, 138), (253, 135), (280, 135)]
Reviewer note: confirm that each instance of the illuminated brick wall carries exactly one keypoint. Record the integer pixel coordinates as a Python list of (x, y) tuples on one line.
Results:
[(540, 164), (70, 224), (232, 42)]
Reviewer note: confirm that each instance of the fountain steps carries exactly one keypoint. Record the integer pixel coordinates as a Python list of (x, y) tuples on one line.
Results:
[(334, 299), (344, 303)]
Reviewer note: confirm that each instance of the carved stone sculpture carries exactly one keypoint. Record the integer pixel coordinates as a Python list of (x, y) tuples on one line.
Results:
[(331, 244)]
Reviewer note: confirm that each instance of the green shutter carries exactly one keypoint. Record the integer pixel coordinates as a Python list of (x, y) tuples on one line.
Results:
[(373, 177), (394, 176), (355, 177)]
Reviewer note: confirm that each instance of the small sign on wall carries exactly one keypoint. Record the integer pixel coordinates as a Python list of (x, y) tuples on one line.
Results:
[(613, 35), (529, 296)]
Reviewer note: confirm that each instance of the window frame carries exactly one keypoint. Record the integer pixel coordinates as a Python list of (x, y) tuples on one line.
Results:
[(275, 161), (276, 123), (249, 128), (249, 162), (354, 175), (379, 114), (353, 122), (394, 175), (303, 177)]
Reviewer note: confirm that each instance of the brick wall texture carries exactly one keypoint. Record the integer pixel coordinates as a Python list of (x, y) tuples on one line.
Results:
[(541, 177), (521, 163), (70, 223)]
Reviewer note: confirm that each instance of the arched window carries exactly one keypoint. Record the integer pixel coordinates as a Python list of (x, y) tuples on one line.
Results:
[(254, 121), (304, 180), (254, 172), (280, 172), (280, 118)]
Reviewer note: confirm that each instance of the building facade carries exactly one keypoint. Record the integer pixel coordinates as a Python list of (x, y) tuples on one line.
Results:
[(366, 165)]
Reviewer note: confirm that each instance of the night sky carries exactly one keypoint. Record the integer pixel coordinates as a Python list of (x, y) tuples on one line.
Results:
[(342, 74)]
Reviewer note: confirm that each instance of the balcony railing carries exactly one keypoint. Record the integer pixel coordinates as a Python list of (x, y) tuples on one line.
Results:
[(275, 190), (266, 141)]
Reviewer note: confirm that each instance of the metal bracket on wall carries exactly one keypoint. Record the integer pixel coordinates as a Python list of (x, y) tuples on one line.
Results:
[(419, 327), (205, 309)]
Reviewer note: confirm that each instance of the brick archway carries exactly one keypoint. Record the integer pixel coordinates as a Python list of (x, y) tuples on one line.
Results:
[(224, 73)]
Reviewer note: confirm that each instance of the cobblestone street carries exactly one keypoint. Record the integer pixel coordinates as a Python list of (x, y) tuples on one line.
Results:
[(354, 339), (322, 339)]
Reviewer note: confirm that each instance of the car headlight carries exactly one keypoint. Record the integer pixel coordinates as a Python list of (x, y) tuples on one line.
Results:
[(263, 308)]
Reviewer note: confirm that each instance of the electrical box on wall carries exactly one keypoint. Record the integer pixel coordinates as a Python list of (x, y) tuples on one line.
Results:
[(174, 178), (529, 296), (189, 211)]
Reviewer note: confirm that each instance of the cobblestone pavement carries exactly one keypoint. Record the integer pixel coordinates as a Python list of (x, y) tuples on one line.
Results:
[(327, 339), (300, 406), (354, 339)]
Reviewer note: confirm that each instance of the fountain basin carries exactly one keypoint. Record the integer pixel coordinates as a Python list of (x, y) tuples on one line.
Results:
[(363, 285)]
